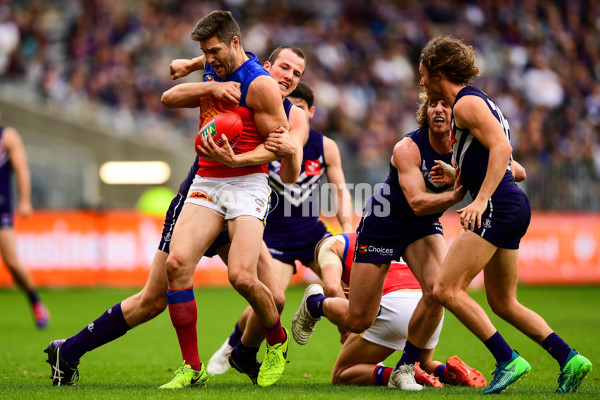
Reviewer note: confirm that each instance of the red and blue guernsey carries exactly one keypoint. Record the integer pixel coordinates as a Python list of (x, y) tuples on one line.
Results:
[(251, 137), (508, 212), (6, 170), (293, 226), (389, 224)]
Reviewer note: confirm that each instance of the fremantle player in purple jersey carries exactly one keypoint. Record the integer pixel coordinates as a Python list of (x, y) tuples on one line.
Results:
[(64, 355), (493, 224), (293, 227), (400, 220), (13, 158)]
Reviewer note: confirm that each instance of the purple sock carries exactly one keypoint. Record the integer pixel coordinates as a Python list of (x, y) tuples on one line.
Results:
[(499, 348), (235, 336), (33, 296), (106, 328), (557, 348), (314, 304), (410, 355), (245, 355)]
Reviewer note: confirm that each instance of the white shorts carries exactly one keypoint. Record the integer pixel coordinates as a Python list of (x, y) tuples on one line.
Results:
[(233, 196), (390, 329)]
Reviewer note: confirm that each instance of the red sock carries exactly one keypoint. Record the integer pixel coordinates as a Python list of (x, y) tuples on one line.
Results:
[(381, 375), (184, 315), (275, 334)]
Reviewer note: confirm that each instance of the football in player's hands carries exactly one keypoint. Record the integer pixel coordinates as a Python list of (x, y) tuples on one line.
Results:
[(228, 124)]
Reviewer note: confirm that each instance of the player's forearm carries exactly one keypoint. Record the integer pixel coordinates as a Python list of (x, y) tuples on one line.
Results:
[(290, 168), (497, 164), (24, 186), (258, 156), (186, 94), (345, 212), (431, 203)]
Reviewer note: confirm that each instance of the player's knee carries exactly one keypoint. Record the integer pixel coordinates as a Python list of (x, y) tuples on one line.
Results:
[(502, 307), (279, 299), (359, 325), (336, 376), (330, 290), (174, 266), (242, 283), (442, 295)]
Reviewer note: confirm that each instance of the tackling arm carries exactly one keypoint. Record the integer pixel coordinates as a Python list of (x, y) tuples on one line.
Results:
[(407, 160)]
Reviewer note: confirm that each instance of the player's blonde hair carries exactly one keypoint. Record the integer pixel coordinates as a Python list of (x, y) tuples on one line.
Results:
[(452, 58), (422, 111)]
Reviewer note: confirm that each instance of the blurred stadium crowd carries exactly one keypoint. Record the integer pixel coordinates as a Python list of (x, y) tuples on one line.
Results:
[(540, 61)]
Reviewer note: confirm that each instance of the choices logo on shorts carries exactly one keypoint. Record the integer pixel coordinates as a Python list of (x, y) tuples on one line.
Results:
[(382, 251)]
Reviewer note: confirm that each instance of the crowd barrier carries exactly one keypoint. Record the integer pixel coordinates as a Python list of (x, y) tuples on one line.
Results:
[(116, 248)]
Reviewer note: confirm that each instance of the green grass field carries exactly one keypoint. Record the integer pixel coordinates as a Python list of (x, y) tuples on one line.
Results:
[(135, 365)]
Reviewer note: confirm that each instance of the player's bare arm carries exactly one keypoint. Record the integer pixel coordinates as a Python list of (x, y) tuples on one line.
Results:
[(18, 159), (471, 112), (183, 67), (335, 176), (407, 160), (226, 155), (264, 97), (291, 150), (187, 95)]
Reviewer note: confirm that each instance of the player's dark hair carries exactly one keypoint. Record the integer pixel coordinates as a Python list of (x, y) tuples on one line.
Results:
[(422, 110), (304, 92), (275, 54), (219, 23), (452, 58)]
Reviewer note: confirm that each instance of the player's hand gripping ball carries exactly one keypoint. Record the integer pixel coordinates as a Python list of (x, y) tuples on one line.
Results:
[(228, 124)]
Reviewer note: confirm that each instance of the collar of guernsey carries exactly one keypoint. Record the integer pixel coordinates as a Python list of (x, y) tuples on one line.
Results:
[(251, 137)]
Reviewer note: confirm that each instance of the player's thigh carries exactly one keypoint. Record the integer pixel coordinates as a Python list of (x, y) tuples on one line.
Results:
[(424, 257), (268, 272), (246, 234), (356, 351), (466, 257), (195, 230), (284, 272), (501, 276), (366, 288)]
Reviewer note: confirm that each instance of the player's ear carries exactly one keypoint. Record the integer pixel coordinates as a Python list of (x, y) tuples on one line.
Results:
[(311, 112), (267, 65), (235, 41)]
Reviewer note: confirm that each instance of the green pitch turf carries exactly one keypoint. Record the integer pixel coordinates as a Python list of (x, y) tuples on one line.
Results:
[(135, 365)]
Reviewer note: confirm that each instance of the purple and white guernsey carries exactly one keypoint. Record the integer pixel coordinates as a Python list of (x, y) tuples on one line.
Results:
[(508, 212), (293, 227)]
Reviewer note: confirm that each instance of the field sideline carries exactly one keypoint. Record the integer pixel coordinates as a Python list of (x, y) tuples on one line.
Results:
[(136, 364)]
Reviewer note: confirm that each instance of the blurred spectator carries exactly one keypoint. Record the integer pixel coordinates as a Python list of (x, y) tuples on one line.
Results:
[(541, 60)]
